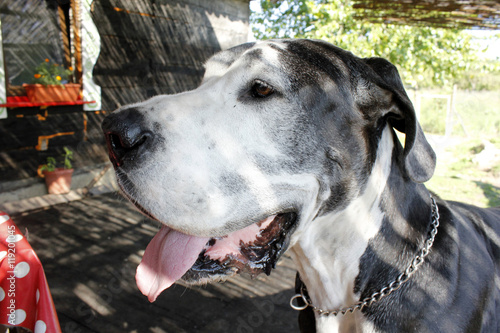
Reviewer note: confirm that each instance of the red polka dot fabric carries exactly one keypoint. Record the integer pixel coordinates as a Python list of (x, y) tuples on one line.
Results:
[(25, 298)]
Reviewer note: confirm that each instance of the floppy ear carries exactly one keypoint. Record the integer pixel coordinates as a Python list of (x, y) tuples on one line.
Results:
[(419, 160), (220, 61)]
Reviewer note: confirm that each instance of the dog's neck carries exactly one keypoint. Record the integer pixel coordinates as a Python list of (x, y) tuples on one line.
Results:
[(329, 254)]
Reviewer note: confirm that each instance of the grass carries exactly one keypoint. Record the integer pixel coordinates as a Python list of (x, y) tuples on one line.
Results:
[(459, 178), (479, 112)]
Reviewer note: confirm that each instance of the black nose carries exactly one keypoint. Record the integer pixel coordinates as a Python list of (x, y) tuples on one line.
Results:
[(127, 137)]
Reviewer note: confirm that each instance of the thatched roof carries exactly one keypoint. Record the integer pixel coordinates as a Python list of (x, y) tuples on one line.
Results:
[(483, 14)]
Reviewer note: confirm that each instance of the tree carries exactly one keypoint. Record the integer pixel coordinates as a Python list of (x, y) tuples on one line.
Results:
[(425, 56)]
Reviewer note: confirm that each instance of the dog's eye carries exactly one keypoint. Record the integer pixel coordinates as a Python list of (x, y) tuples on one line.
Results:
[(261, 89)]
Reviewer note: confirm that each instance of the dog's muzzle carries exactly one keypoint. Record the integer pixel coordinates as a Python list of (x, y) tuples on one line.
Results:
[(175, 253)]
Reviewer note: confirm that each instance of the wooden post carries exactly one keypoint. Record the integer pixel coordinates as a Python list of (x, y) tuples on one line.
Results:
[(75, 6), (65, 23), (418, 101), (455, 112), (449, 118)]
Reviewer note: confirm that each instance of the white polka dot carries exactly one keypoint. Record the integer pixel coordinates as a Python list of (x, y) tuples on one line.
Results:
[(37, 295), (40, 327), (3, 254), (20, 316), (14, 238), (2, 294), (4, 218), (22, 269)]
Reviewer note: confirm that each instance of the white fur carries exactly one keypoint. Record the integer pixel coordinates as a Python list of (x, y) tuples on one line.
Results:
[(209, 134), (328, 249)]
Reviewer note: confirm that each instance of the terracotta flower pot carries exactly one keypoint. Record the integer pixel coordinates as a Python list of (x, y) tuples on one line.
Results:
[(58, 181), (52, 93)]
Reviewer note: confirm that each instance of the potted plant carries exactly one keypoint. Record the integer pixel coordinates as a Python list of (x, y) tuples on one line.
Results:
[(51, 84), (58, 174)]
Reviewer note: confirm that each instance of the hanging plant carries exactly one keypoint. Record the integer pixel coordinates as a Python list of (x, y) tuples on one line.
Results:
[(51, 84), (47, 73)]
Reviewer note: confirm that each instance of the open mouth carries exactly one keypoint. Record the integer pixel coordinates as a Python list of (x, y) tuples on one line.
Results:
[(172, 255)]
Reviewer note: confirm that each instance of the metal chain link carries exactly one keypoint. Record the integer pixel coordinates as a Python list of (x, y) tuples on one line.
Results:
[(391, 287)]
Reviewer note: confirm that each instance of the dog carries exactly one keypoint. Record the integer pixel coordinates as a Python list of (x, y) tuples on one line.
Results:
[(291, 144)]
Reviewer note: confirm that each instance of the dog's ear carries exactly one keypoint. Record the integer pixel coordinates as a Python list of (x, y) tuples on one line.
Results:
[(419, 160), (220, 61)]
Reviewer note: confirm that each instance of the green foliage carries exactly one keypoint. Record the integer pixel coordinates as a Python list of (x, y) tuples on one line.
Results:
[(425, 56), (64, 161), (51, 74), (480, 79), (433, 115), (67, 156), (50, 166), (478, 111), (458, 177), (485, 74)]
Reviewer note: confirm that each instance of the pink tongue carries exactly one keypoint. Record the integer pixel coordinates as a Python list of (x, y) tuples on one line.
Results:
[(169, 255)]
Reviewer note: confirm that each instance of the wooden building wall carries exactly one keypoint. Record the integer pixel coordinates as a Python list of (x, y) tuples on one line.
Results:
[(159, 47), (148, 47)]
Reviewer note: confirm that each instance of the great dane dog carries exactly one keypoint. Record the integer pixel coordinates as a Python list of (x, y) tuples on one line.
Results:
[(291, 144)]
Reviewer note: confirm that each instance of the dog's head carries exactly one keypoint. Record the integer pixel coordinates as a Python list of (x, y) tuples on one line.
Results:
[(278, 133)]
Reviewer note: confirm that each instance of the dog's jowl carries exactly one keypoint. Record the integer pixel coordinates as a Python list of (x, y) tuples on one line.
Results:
[(291, 145)]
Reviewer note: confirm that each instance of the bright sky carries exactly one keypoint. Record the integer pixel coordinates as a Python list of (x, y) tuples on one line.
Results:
[(487, 38)]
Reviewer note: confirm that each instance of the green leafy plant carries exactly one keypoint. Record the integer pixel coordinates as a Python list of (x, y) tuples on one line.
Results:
[(425, 56), (53, 163), (51, 74)]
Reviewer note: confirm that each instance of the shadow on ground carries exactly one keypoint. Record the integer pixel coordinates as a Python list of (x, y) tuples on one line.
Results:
[(491, 192), (90, 250)]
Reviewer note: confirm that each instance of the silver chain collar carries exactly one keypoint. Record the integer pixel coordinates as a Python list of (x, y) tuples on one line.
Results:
[(386, 291)]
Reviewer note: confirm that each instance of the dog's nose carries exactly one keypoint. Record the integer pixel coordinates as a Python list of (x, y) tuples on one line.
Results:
[(126, 136)]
